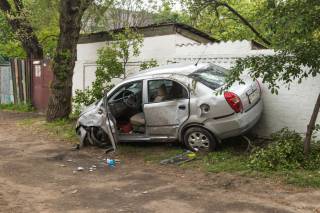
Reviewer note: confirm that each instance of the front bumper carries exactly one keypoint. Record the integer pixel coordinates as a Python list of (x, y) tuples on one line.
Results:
[(236, 124)]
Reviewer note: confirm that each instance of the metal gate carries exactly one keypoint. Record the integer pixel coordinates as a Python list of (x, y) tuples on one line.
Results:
[(6, 90), (42, 76)]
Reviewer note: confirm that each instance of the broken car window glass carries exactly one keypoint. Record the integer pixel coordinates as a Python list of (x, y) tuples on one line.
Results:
[(165, 90), (213, 76)]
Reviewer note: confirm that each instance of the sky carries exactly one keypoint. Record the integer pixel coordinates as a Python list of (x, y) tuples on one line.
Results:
[(176, 5)]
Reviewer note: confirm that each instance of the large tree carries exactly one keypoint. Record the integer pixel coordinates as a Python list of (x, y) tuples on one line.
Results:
[(71, 12), (15, 14)]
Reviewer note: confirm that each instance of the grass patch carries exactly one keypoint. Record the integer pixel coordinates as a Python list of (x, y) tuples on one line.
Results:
[(17, 107), (301, 178), (64, 129), (225, 161), (231, 157)]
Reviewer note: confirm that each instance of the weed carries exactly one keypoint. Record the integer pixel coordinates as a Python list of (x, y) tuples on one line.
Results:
[(285, 153)]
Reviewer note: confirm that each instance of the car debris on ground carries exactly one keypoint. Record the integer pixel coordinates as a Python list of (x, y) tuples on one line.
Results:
[(179, 159), (80, 168)]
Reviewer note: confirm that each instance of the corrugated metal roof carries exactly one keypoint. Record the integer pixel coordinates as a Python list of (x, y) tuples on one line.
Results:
[(152, 30)]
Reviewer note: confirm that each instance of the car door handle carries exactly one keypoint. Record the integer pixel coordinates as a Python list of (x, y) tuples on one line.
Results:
[(182, 107)]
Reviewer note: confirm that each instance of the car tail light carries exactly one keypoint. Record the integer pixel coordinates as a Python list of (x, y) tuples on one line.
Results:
[(234, 101)]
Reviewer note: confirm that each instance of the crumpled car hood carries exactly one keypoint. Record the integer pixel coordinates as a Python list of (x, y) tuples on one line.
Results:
[(90, 116)]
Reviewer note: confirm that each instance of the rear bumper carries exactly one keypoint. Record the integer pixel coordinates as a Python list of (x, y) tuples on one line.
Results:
[(236, 124)]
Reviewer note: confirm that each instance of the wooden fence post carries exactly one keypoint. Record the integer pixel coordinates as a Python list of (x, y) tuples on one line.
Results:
[(14, 83), (311, 126)]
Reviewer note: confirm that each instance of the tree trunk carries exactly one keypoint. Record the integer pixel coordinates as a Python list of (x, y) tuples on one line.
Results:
[(71, 12), (29, 40), (311, 126), (23, 29)]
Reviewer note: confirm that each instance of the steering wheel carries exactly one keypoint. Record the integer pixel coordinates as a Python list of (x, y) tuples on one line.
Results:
[(130, 99)]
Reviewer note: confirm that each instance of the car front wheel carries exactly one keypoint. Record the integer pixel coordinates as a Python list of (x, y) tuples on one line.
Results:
[(197, 138)]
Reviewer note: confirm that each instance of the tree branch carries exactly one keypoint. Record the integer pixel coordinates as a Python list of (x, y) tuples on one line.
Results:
[(311, 126), (243, 20), (5, 6), (23, 29), (18, 5)]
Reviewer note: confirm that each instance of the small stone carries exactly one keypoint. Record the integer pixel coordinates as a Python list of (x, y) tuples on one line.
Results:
[(74, 191), (145, 192), (69, 160), (62, 165), (80, 168)]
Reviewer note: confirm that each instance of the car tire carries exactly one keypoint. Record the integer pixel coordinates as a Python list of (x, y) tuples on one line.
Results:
[(199, 139), (99, 137)]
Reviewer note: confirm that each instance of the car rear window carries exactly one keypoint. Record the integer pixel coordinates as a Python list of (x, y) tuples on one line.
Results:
[(213, 76)]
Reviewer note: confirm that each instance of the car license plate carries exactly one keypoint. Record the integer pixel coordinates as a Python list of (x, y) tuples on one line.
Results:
[(253, 96)]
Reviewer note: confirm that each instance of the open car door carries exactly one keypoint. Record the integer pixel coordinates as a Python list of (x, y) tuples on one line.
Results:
[(109, 124)]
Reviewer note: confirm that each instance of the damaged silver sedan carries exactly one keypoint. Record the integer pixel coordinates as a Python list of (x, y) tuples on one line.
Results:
[(173, 103)]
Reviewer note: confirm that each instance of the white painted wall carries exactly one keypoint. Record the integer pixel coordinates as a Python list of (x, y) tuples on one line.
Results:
[(161, 48), (291, 108)]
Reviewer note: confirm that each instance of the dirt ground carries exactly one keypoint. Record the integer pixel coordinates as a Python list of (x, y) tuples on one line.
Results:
[(37, 174)]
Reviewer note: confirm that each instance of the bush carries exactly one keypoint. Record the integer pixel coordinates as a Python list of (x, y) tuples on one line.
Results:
[(108, 68), (285, 153), (111, 63)]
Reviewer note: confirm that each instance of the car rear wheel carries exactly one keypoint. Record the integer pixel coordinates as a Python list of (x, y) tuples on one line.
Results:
[(197, 138)]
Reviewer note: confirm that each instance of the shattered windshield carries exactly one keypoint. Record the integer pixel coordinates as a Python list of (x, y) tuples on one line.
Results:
[(213, 76)]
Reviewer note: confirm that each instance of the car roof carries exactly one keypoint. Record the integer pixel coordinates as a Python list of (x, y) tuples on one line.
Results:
[(177, 69)]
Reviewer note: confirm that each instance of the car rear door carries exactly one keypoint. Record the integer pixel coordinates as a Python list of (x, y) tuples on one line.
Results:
[(164, 114)]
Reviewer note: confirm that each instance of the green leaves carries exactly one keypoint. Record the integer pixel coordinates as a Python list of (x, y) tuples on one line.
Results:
[(285, 153), (127, 43), (295, 37), (111, 64), (43, 16), (148, 64), (222, 24)]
